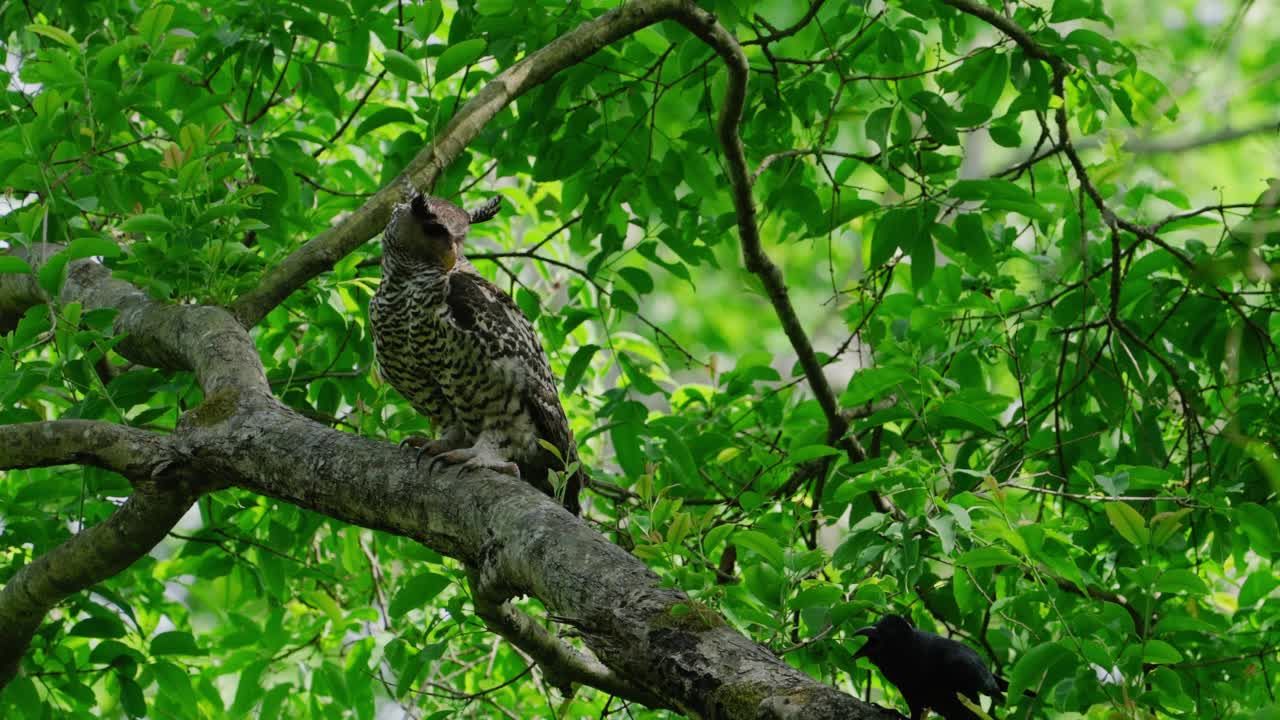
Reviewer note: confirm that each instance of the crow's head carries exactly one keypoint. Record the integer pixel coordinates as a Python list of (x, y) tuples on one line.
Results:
[(891, 634)]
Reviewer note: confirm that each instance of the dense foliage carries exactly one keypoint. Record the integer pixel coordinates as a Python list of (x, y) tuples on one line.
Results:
[(1056, 354)]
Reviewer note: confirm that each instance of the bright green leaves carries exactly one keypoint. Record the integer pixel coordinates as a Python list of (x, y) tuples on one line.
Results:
[(627, 431), (384, 116), (989, 556), (995, 194), (1034, 464), (898, 228), (56, 34), (1259, 525), (1067, 10), (1128, 523), (147, 223), (402, 65), (763, 545), (458, 56)]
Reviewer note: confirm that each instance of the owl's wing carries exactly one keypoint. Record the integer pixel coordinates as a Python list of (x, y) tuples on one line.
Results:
[(492, 319), (506, 336)]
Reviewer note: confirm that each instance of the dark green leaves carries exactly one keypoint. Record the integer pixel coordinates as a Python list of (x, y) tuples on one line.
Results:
[(997, 194), (385, 116), (175, 643)]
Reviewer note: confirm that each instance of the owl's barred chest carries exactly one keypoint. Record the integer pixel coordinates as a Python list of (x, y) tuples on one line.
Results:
[(439, 358)]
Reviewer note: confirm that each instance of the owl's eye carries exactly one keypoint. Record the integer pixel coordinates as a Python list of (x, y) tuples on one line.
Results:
[(433, 228)]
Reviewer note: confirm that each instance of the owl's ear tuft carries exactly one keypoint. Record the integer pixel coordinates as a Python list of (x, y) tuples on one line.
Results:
[(487, 210), (418, 206)]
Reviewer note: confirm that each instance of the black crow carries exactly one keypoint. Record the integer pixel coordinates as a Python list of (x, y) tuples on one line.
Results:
[(929, 670)]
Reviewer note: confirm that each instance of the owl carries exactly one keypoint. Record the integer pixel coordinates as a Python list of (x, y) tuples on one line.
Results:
[(460, 351)]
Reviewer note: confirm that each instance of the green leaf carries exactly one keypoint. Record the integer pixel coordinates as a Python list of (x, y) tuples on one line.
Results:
[(14, 265), (131, 698), (577, 366), (1181, 581), (811, 452), (972, 240), (638, 279), (952, 412), (999, 194), (626, 443), (84, 247), (894, 230), (763, 545), (1258, 586), (1067, 10), (458, 56), (402, 66), (146, 223), (175, 642), (417, 593), (1038, 666), (385, 116), (494, 7), (1164, 525), (1158, 652), (1127, 522), (55, 34), (98, 627), (1259, 524), (988, 556)]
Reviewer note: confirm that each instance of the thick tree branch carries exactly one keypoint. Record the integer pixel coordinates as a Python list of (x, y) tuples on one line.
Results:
[(509, 533), (136, 454), (518, 539)]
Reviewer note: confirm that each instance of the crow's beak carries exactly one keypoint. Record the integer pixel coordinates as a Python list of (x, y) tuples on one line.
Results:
[(869, 633)]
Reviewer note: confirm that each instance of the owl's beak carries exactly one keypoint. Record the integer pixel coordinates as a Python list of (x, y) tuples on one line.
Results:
[(448, 260)]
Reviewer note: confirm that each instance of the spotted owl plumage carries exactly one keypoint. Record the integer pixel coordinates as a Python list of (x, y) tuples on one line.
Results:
[(461, 352)]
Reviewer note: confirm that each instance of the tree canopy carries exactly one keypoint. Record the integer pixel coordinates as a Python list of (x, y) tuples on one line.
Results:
[(962, 310)]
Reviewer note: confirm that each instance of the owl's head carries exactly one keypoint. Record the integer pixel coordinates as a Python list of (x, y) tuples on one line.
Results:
[(430, 231)]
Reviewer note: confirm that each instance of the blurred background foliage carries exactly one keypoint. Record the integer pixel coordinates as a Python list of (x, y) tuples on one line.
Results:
[(1071, 466)]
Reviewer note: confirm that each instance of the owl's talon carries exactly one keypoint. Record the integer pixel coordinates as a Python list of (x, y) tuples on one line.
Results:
[(431, 466), (473, 459)]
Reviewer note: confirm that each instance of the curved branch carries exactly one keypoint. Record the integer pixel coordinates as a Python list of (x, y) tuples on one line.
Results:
[(205, 340), (704, 25), (562, 664), (89, 557)]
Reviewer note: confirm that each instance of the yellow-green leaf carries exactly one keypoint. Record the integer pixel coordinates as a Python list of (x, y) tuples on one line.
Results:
[(1128, 523), (56, 34)]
